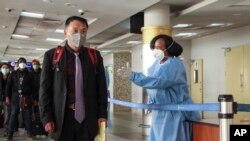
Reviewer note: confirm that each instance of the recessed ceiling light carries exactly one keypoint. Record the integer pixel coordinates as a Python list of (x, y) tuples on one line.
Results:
[(219, 24), (42, 49), (4, 26), (54, 40), (215, 24), (90, 21), (70, 4), (134, 42), (48, 1), (31, 14), (187, 34), (20, 36), (59, 30), (182, 25)]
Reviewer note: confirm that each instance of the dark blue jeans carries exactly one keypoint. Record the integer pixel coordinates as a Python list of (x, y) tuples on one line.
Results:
[(7, 111), (27, 117)]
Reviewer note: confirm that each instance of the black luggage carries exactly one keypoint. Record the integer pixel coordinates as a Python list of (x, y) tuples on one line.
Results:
[(37, 126), (38, 129)]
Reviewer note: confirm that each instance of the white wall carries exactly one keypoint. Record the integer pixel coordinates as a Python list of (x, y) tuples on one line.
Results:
[(210, 49), (186, 54)]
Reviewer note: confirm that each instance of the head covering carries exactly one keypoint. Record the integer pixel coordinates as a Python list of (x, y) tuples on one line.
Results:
[(35, 61), (172, 47)]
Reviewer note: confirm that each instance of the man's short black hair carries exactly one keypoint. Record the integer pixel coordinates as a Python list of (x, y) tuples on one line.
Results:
[(21, 59), (173, 48), (72, 18)]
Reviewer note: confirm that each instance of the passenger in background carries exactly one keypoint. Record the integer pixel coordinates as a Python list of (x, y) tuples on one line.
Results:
[(36, 72), (4, 74), (16, 66), (11, 68), (166, 83), (19, 95)]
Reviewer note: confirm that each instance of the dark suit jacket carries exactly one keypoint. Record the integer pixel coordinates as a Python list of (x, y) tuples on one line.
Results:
[(53, 91)]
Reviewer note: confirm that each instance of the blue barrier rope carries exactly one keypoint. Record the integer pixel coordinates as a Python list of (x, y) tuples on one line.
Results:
[(178, 107), (243, 107)]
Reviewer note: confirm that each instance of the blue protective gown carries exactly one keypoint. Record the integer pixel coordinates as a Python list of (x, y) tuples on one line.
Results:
[(167, 84)]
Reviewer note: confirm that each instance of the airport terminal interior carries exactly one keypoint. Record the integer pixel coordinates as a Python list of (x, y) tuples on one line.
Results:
[(214, 35)]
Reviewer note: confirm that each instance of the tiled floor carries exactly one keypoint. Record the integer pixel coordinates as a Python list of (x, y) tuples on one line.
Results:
[(125, 127)]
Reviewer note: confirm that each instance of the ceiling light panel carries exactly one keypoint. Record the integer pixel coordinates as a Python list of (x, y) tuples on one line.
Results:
[(20, 36), (187, 34), (182, 25), (54, 40), (31, 14), (59, 30)]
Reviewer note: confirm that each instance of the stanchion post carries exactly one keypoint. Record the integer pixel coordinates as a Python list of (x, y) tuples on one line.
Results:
[(225, 115)]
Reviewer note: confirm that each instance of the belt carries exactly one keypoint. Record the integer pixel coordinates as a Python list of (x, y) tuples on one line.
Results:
[(71, 106)]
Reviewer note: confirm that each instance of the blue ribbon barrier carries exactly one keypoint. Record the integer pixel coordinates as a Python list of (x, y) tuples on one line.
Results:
[(243, 107), (178, 107)]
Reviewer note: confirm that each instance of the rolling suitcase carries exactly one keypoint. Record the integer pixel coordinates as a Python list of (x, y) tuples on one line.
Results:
[(37, 126), (38, 129)]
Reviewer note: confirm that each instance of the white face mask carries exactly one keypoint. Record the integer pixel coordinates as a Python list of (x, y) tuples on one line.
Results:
[(77, 39), (22, 65), (35, 67), (158, 54), (5, 71)]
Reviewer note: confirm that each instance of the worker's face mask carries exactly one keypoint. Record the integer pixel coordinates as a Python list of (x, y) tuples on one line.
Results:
[(77, 39), (22, 65), (5, 71), (35, 67), (158, 54)]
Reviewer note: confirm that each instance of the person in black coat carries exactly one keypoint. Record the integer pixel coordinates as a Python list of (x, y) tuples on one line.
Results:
[(57, 95), (19, 94), (4, 74), (36, 73)]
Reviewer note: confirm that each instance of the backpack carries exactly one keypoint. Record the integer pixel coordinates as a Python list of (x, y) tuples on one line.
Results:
[(58, 52)]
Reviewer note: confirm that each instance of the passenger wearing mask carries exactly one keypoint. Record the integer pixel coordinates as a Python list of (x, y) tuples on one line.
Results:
[(5, 71), (166, 83), (16, 67), (36, 72), (19, 95), (73, 91)]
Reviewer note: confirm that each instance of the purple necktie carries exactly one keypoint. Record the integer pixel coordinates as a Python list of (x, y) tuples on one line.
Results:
[(79, 99)]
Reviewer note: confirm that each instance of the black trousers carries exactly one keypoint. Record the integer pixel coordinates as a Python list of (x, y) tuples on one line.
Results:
[(72, 130)]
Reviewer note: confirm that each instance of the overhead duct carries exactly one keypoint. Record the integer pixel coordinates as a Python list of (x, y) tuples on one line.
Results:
[(136, 23)]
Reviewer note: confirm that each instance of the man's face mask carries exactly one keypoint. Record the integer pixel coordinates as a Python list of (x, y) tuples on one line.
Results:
[(22, 65), (158, 54), (77, 39), (5, 71)]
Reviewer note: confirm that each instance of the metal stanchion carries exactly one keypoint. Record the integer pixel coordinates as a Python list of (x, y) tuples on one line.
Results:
[(225, 115)]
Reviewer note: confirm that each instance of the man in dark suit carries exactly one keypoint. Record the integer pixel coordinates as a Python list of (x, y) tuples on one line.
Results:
[(73, 93)]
